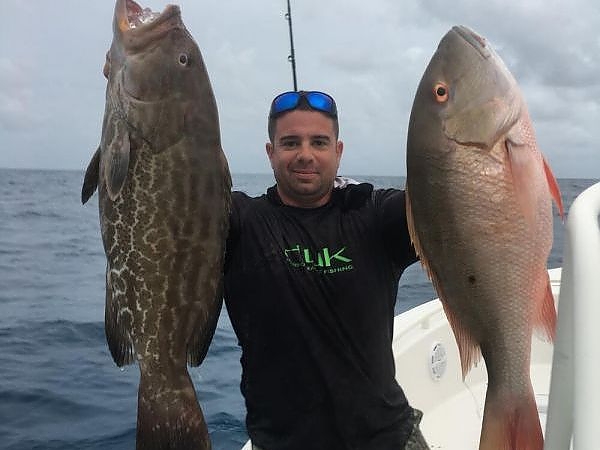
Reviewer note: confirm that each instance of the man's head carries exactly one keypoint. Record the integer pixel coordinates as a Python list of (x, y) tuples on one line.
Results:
[(304, 149), (303, 100)]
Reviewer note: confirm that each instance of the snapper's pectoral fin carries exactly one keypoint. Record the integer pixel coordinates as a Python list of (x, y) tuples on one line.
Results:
[(115, 158), (468, 348), (523, 164), (90, 180)]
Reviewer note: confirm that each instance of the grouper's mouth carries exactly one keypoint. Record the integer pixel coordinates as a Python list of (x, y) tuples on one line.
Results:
[(130, 15)]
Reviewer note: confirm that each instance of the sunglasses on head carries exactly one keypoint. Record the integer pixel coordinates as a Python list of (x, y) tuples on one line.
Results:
[(288, 101)]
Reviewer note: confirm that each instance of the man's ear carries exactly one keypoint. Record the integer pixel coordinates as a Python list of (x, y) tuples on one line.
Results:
[(269, 148), (339, 149)]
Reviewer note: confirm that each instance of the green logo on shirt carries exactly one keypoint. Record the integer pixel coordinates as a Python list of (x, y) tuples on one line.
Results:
[(324, 260)]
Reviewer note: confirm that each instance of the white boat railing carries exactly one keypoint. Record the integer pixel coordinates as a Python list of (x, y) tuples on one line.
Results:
[(574, 402)]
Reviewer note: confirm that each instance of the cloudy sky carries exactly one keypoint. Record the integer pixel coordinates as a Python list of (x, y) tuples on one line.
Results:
[(369, 55)]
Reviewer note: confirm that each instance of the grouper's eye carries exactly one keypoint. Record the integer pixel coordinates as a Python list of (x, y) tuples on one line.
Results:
[(184, 59)]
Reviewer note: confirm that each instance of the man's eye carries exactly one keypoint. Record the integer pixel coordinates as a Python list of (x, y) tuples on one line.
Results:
[(320, 143), (289, 144)]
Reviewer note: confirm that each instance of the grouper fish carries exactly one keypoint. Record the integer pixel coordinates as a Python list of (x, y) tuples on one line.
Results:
[(164, 198), (480, 215)]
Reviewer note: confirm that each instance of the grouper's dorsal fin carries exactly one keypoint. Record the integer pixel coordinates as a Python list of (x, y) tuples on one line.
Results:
[(115, 158), (90, 180)]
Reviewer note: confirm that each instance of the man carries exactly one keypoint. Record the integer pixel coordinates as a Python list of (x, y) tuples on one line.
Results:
[(311, 276)]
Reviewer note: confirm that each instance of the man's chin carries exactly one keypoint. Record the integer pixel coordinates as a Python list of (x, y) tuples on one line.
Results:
[(307, 187), (306, 195)]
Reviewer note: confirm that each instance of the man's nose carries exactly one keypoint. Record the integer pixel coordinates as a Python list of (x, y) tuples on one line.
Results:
[(305, 152)]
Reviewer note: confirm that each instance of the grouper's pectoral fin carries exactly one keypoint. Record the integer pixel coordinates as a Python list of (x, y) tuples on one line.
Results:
[(115, 157), (468, 347), (90, 180)]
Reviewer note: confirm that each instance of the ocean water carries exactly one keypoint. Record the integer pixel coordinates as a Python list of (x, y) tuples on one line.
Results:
[(59, 388)]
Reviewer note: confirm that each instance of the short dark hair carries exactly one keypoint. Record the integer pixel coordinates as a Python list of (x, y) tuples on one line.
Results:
[(304, 106)]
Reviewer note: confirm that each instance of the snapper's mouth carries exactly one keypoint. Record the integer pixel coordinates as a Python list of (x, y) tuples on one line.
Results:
[(477, 41), (130, 15)]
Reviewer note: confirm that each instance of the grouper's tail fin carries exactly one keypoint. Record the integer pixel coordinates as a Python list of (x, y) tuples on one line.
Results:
[(169, 416)]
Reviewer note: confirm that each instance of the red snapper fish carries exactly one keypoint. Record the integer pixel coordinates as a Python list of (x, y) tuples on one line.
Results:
[(479, 206)]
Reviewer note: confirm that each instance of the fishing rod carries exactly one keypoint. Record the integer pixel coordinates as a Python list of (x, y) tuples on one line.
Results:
[(292, 56)]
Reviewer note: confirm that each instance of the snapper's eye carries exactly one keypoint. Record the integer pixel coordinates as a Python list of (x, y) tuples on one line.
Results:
[(184, 59)]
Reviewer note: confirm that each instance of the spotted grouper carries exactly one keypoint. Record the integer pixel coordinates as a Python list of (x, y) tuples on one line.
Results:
[(480, 215), (164, 197)]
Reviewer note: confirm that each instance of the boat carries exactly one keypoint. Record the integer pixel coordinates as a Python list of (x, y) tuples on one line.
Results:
[(564, 375)]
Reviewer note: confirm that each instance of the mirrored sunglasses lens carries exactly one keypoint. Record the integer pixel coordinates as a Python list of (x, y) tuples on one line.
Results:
[(320, 101), (285, 102)]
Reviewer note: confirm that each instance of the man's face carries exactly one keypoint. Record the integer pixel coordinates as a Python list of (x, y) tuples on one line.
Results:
[(305, 156)]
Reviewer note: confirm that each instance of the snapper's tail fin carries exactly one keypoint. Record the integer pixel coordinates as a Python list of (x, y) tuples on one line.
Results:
[(511, 424)]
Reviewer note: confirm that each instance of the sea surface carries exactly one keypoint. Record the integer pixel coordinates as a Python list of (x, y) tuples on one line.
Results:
[(59, 388)]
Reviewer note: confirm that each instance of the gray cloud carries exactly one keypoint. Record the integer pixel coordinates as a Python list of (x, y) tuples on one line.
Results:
[(553, 42), (369, 55), (16, 96)]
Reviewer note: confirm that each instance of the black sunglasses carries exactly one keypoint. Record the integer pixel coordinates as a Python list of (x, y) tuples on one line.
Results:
[(289, 101)]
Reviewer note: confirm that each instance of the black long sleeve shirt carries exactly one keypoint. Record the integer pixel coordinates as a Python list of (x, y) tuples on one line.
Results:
[(310, 294)]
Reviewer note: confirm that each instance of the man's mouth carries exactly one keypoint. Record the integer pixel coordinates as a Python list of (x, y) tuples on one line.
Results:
[(305, 175), (304, 172)]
